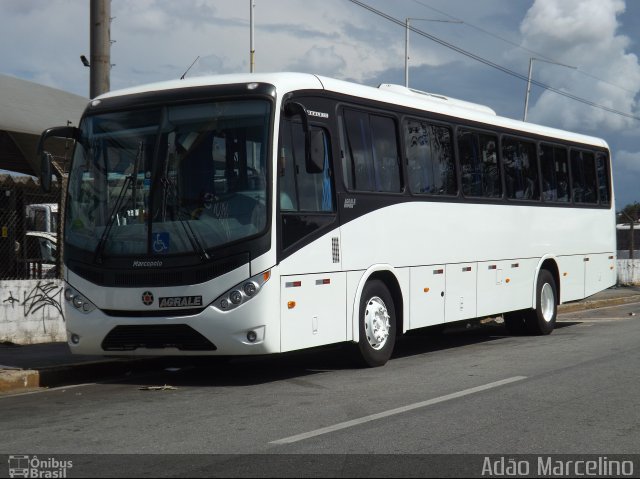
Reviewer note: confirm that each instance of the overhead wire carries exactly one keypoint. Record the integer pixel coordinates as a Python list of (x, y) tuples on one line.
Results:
[(519, 45), (492, 64)]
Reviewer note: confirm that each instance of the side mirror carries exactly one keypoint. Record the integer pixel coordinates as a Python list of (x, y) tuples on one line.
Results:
[(45, 171), (70, 132), (317, 152)]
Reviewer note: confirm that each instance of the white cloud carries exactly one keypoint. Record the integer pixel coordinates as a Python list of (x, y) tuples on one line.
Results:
[(582, 33), (320, 59), (627, 162)]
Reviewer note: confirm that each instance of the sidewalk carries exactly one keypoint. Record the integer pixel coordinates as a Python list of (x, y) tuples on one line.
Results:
[(24, 368)]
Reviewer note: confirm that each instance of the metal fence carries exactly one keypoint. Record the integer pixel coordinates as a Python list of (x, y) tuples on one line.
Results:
[(30, 229), (628, 240)]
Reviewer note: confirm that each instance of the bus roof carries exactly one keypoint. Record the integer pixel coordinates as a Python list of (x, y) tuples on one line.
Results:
[(286, 82)]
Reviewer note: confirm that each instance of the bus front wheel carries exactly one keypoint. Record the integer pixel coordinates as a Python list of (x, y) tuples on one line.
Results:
[(377, 320)]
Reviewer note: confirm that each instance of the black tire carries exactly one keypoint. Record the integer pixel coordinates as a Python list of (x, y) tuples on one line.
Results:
[(542, 320), (375, 347)]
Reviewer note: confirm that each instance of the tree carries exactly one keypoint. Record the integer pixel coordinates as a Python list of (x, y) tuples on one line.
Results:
[(632, 210)]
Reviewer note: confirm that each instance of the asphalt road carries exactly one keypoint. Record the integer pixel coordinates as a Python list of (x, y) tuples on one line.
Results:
[(475, 391)]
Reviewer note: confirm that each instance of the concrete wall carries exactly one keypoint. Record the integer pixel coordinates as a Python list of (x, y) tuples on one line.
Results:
[(31, 311), (629, 271)]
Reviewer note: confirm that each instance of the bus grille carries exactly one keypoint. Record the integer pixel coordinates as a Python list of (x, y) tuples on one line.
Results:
[(156, 313), (160, 336)]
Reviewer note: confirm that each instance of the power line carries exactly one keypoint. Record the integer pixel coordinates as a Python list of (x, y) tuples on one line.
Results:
[(520, 46), (491, 64)]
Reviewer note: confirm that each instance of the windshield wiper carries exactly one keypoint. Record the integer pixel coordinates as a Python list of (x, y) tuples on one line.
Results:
[(128, 181), (196, 246), (97, 258)]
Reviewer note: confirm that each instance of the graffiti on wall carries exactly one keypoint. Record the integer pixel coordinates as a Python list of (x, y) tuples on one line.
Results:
[(11, 300), (43, 295)]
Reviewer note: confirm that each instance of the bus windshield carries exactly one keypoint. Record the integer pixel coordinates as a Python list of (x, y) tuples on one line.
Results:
[(169, 180)]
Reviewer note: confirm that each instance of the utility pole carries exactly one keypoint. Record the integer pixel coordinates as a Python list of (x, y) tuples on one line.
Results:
[(406, 42), (252, 52), (100, 37), (526, 97)]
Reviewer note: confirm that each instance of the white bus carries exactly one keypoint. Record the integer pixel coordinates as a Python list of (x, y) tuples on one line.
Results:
[(265, 213)]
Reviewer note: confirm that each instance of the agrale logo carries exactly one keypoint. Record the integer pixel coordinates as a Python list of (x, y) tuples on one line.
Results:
[(147, 298)]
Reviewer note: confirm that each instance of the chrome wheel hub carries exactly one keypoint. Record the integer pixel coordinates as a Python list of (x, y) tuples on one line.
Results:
[(547, 302), (377, 324)]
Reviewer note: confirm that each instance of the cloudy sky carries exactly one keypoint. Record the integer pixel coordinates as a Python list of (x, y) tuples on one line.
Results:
[(157, 40)]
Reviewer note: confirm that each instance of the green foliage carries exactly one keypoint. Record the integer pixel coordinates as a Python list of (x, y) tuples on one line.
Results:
[(632, 210)]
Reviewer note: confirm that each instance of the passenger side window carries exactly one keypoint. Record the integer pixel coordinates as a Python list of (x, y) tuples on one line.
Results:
[(520, 169), (554, 165), (603, 177), (371, 161), (479, 164), (430, 160), (301, 190), (583, 174)]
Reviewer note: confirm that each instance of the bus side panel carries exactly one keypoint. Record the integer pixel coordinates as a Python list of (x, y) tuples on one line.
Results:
[(427, 296), (312, 310), (505, 285), (600, 273), (571, 270), (461, 282)]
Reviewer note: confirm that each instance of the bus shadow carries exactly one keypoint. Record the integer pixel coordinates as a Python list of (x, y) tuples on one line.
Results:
[(249, 371)]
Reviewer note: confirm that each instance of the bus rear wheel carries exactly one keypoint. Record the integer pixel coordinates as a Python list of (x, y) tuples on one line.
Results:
[(542, 320), (377, 324)]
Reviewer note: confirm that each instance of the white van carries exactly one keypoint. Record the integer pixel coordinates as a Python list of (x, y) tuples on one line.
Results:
[(42, 217)]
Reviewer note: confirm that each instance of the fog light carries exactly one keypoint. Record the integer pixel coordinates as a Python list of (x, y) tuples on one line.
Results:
[(75, 339), (252, 336)]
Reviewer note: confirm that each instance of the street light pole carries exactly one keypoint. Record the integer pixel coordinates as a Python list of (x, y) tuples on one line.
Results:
[(100, 46), (526, 98), (252, 53), (406, 42), (406, 53)]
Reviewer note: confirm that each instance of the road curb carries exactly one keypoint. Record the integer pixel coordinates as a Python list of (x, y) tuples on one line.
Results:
[(597, 303), (23, 380), (12, 380)]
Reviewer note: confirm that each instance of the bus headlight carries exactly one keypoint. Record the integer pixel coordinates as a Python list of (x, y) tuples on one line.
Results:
[(241, 293), (250, 288), (236, 297), (78, 301)]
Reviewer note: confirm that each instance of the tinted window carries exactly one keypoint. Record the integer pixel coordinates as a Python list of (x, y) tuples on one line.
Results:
[(371, 161), (583, 174), (300, 190), (554, 165), (603, 177), (520, 169), (479, 164), (431, 165)]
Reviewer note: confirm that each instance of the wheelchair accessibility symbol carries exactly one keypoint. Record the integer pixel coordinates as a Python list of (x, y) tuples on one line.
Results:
[(161, 242)]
